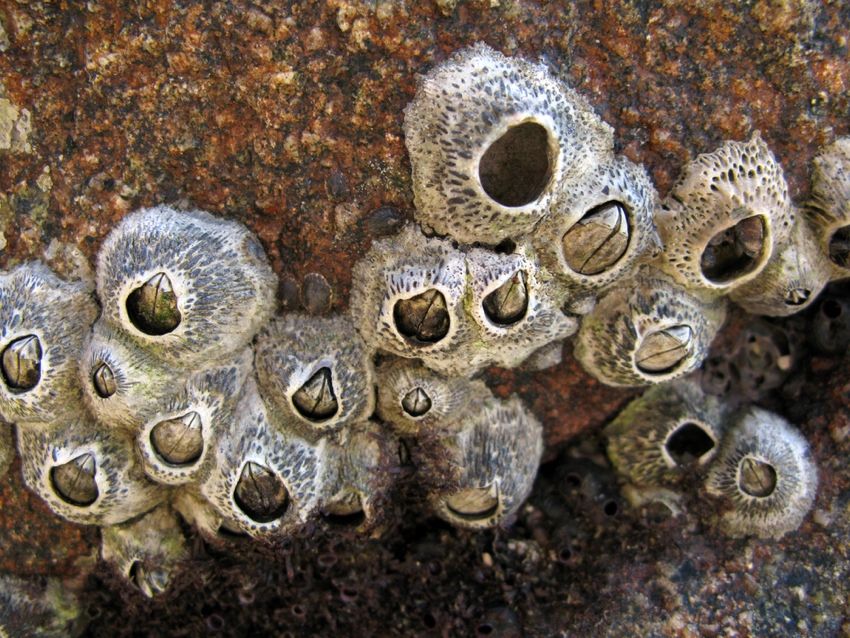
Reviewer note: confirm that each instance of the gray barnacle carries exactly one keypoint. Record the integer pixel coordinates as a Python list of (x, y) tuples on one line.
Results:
[(651, 332), (672, 430), (85, 473), (725, 217), (146, 551), (38, 378), (491, 139), (764, 476), (315, 373), (187, 286), (830, 205)]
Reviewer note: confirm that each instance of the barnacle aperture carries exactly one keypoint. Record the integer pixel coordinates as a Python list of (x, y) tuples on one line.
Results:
[(423, 318), (416, 402), (474, 503), (663, 350), (516, 168), (316, 400), (179, 441), (153, 307), (734, 251), (260, 493), (103, 379), (598, 240), (509, 302), (21, 363), (75, 481)]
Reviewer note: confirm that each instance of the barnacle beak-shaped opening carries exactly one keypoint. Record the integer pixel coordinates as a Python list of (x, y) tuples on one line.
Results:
[(475, 504), (422, 319), (508, 303), (345, 511), (797, 296), (152, 307), (416, 403), (21, 363), (316, 399), (179, 441), (735, 251), (149, 582), (689, 444), (664, 351), (756, 478), (516, 169), (74, 482), (260, 493), (599, 240)]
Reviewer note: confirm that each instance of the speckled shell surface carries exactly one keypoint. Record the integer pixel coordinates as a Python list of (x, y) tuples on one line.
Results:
[(830, 203)]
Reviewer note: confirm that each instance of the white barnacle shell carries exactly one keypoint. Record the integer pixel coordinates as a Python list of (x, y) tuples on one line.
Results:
[(515, 308), (764, 475), (600, 226), (43, 323), (491, 139), (123, 384), (210, 285), (315, 373), (85, 473), (414, 399), (830, 204), (408, 294), (672, 430), (146, 551), (793, 278), (266, 480), (649, 332), (725, 217), (177, 438), (480, 474)]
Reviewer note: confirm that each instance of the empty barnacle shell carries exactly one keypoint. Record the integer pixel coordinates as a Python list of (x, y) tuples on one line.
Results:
[(830, 205), (187, 286), (671, 430), (650, 332), (85, 473), (600, 227), (764, 476), (491, 139), (146, 551), (315, 372), (793, 278), (725, 217), (480, 473), (38, 349)]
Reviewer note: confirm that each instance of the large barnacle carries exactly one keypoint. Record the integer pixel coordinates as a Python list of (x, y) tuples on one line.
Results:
[(187, 286), (830, 205), (146, 551), (38, 347), (671, 430), (491, 139), (764, 476), (649, 332), (316, 372), (480, 474), (725, 217), (86, 473)]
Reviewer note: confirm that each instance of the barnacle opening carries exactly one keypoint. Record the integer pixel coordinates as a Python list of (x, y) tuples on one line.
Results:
[(735, 251), (74, 482), (509, 302), (597, 241), (316, 399), (756, 477), (260, 494), (152, 307), (517, 167), (423, 318), (416, 403), (104, 381), (21, 363), (664, 350), (839, 247), (179, 441), (346, 511), (473, 503), (797, 296), (689, 443)]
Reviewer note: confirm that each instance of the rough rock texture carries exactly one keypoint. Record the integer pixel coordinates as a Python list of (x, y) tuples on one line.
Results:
[(288, 118)]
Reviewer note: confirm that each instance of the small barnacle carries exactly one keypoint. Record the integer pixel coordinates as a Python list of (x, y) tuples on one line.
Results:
[(38, 370), (187, 286), (830, 204), (725, 217), (650, 332), (85, 473), (670, 430), (831, 325), (491, 140), (792, 279), (764, 475), (479, 474), (146, 551), (414, 399), (407, 294), (315, 371), (599, 228)]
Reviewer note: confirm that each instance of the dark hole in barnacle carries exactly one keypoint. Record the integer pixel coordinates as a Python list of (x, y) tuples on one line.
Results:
[(516, 169), (509, 302), (350, 519), (260, 494), (797, 296), (316, 399), (831, 309), (756, 478), (734, 251), (74, 482), (839, 247), (152, 307), (689, 443), (346, 510), (423, 318)]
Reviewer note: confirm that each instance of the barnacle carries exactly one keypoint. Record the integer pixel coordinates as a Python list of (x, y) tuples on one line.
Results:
[(38, 365), (316, 372), (671, 430), (724, 217), (491, 139), (187, 286), (764, 476), (651, 332), (146, 551), (830, 205)]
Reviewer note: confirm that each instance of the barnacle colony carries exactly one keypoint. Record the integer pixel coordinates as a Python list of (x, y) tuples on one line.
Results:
[(186, 397)]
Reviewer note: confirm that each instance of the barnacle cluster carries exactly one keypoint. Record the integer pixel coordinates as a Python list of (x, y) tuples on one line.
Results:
[(172, 389)]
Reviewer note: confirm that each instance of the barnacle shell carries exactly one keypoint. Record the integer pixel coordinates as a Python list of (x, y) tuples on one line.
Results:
[(792, 279), (670, 430), (146, 551), (482, 473), (215, 268), (717, 193), (32, 302), (491, 139), (764, 446), (116, 489), (200, 514), (653, 312), (293, 350), (830, 204)]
